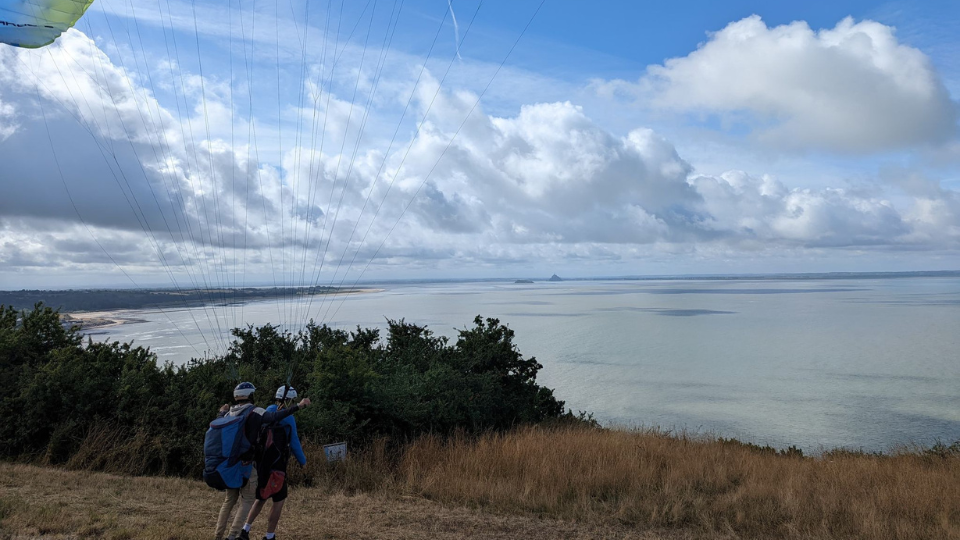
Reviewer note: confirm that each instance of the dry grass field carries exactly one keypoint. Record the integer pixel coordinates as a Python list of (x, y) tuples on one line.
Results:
[(55, 504), (531, 483)]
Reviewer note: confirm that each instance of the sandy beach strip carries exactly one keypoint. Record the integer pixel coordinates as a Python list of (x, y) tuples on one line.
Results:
[(97, 320), (90, 320)]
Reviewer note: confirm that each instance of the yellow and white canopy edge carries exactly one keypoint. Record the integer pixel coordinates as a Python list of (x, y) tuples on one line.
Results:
[(36, 23)]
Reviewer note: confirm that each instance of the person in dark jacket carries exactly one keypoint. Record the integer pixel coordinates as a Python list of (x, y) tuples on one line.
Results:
[(280, 440), (243, 396)]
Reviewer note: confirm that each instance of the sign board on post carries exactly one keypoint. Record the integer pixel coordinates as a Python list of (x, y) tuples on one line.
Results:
[(335, 451)]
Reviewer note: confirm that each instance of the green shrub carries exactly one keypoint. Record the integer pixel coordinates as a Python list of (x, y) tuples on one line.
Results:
[(58, 391)]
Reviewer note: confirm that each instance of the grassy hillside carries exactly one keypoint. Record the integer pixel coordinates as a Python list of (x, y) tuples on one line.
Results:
[(55, 504), (437, 449), (528, 483)]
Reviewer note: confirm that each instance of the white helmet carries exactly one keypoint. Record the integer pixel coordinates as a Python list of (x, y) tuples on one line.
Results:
[(286, 392), (243, 390)]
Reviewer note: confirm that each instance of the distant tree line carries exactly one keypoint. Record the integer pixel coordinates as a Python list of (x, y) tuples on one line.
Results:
[(108, 299), (56, 386)]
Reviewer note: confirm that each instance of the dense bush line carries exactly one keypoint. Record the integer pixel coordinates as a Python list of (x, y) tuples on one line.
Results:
[(59, 390)]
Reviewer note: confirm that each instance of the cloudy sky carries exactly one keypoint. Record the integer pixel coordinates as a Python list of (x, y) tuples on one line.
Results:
[(212, 143)]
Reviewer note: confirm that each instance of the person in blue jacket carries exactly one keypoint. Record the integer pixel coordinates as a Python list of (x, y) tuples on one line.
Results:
[(277, 442), (243, 395)]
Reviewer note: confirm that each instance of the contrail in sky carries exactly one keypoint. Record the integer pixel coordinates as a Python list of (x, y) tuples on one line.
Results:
[(456, 29)]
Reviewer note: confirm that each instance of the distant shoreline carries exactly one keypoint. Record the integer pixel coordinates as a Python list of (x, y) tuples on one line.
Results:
[(111, 318), (369, 285), (104, 308), (812, 276)]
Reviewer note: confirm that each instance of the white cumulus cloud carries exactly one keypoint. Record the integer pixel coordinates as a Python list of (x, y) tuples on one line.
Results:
[(750, 209), (8, 125), (543, 183), (853, 88), (552, 174)]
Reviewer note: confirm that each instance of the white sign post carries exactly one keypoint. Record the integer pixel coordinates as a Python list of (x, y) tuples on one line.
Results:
[(335, 451)]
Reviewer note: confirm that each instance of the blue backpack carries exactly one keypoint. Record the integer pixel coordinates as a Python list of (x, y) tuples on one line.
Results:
[(223, 445)]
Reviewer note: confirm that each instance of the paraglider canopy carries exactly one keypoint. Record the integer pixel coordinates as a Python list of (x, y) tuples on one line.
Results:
[(35, 23)]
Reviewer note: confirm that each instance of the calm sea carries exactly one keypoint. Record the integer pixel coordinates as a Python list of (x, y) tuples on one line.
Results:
[(857, 363)]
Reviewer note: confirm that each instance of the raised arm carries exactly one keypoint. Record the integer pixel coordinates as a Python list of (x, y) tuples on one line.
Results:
[(295, 442), (276, 416)]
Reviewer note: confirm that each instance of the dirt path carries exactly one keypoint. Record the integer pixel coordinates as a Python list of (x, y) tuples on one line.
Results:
[(53, 504)]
